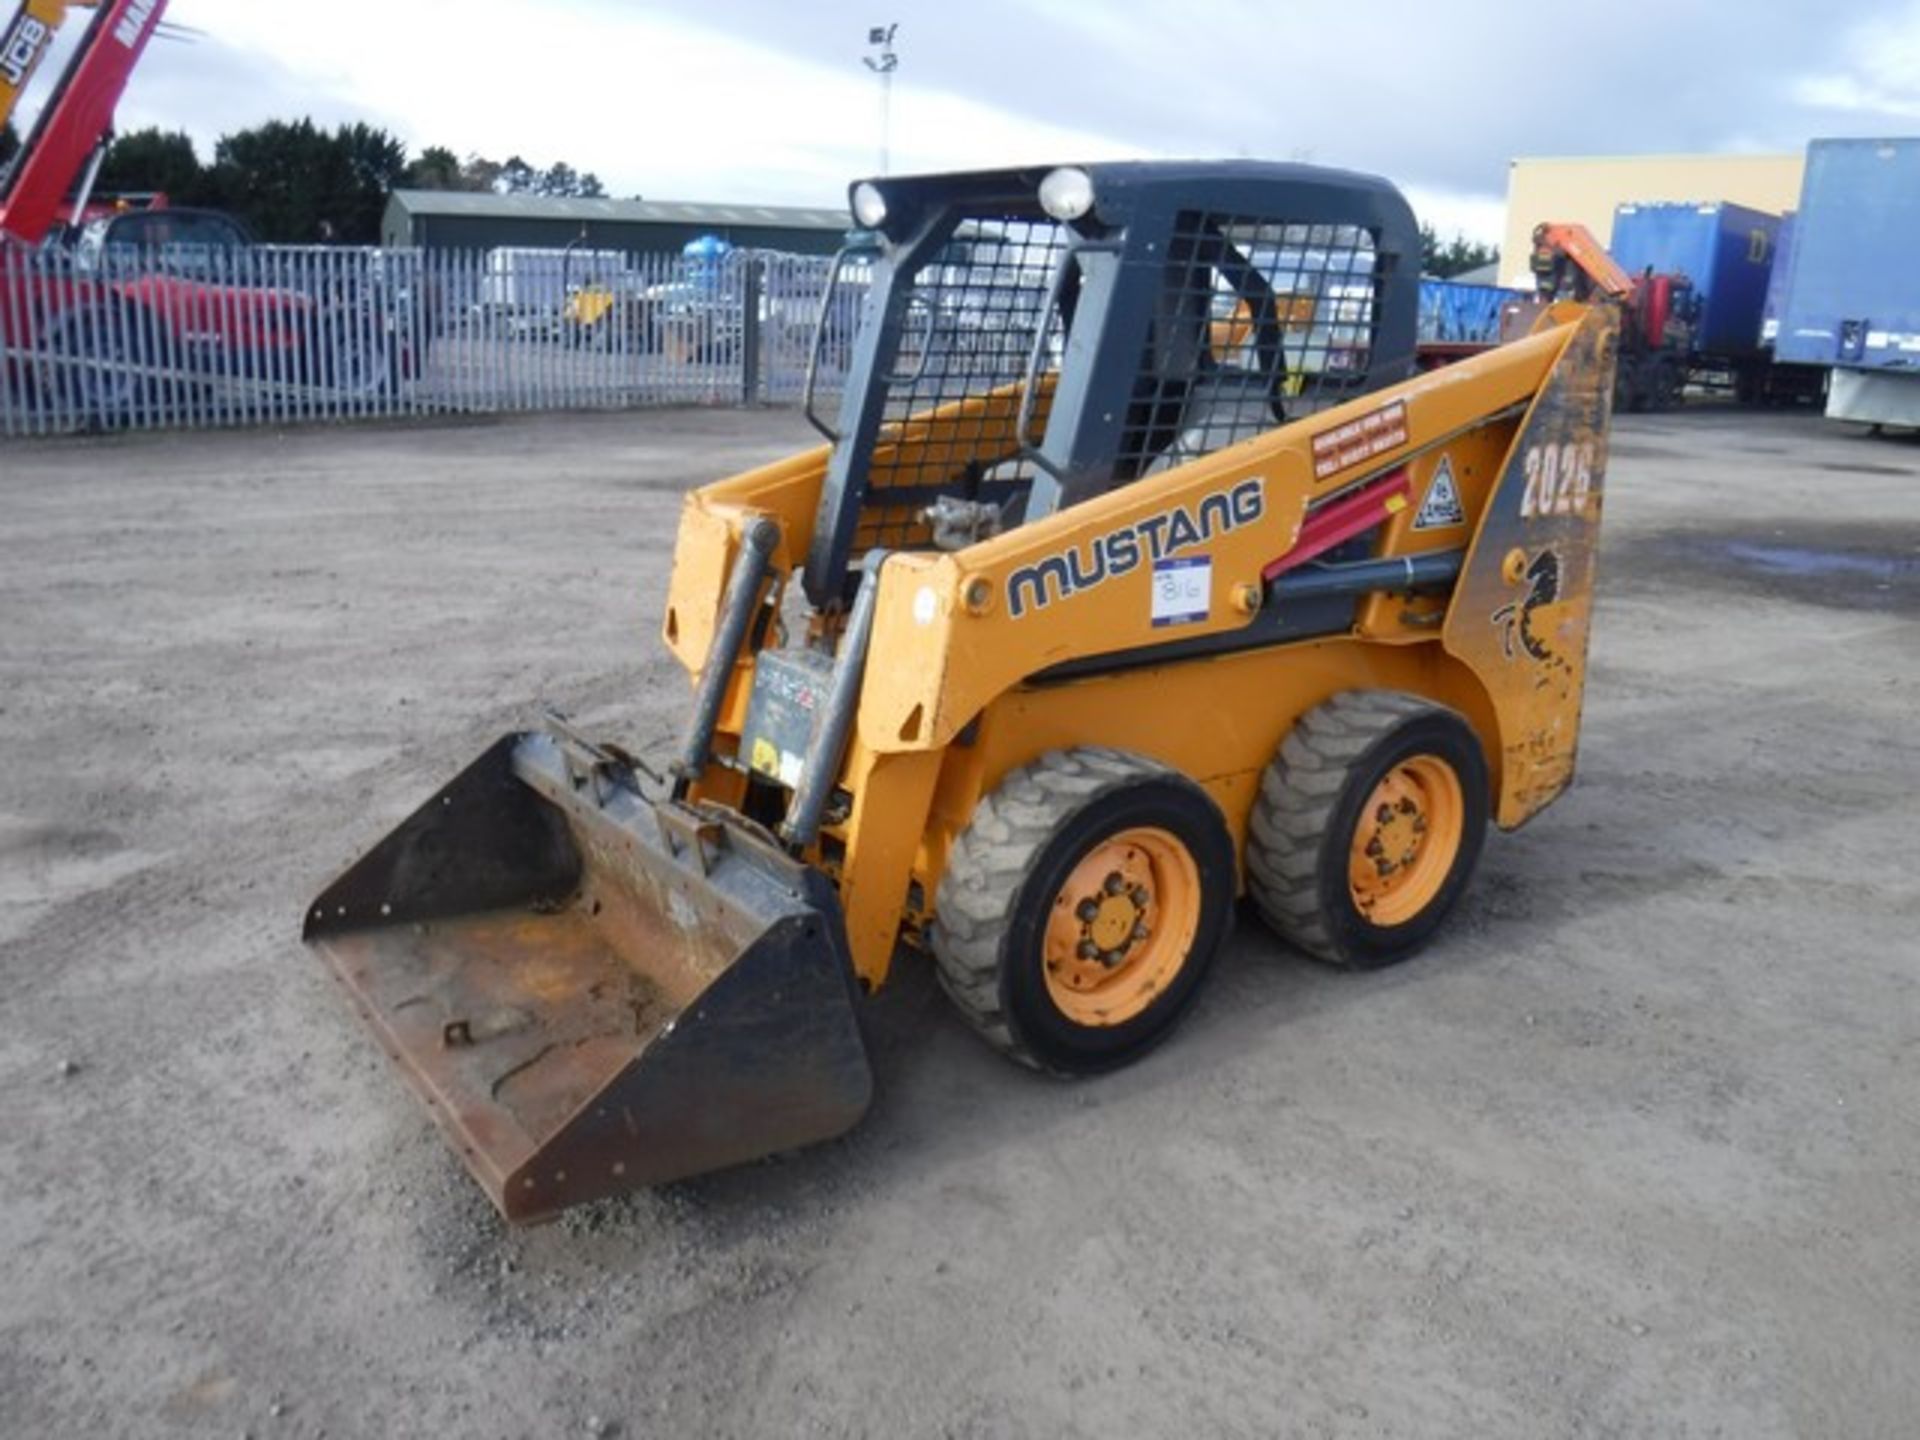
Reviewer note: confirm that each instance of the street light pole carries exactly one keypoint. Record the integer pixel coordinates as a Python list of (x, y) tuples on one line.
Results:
[(880, 37)]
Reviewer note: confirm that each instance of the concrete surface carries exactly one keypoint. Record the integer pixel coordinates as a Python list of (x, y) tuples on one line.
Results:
[(1632, 1151)]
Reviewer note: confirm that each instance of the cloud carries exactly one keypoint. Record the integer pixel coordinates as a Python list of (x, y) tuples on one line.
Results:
[(1879, 80), (766, 99)]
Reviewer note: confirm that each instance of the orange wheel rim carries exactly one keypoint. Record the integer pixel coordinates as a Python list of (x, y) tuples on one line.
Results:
[(1406, 841), (1122, 926)]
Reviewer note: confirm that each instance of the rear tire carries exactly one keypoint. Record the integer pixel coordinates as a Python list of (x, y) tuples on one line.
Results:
[(1669, 382), (92, 367), (1081, 908), (358, 361), (1367, 827)]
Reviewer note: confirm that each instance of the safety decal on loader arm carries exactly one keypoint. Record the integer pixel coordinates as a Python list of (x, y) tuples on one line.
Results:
[(1521, 613)]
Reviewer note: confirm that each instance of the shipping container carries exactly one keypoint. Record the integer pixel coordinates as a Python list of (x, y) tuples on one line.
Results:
[(1853, 287), (1724, 250), (1452, 313)]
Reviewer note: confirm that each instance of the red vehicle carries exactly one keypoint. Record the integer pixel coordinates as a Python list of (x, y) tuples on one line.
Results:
[(148, 307), (1656, 311)]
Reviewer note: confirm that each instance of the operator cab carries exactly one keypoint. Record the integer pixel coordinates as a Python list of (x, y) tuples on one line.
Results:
[(197, 243), (1031, 338)]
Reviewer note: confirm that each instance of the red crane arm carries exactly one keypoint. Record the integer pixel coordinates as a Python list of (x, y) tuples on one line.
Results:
[(78, 116)]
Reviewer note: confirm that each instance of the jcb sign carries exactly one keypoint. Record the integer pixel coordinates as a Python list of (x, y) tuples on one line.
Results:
[(21, 50)]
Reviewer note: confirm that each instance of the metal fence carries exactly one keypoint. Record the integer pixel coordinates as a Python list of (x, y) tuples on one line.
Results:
[(186, 336)]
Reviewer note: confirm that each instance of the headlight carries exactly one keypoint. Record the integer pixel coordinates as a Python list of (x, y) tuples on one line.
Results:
[(1067, 193), (869, 205)]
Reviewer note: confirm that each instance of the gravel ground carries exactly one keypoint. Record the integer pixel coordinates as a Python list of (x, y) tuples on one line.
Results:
[(1632, 1151)]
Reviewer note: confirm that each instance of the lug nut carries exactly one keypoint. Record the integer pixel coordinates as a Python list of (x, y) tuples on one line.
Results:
[(1116, 882), (1141, 896), (1087, 950), (1088, 911)]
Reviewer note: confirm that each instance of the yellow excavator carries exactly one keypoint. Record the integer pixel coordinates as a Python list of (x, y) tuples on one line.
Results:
[(1137, 573)]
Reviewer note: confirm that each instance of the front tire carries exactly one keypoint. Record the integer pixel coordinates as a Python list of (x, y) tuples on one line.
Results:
[(1367, 827), (1081, 908), (93, 367)]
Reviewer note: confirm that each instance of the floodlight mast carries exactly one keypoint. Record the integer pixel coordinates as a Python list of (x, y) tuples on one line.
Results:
[(883, 64)]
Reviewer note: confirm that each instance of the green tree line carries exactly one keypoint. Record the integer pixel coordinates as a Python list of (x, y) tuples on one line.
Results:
[(297, 183), (1445, 259)]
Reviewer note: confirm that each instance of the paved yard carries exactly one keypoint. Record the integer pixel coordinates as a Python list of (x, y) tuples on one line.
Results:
[(1634, 1151)]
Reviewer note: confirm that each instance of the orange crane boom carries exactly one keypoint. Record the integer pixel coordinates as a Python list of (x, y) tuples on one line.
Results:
[(1558, 243)]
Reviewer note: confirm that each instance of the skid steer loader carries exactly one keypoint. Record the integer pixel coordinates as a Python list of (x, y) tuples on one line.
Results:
[(1135, 575)]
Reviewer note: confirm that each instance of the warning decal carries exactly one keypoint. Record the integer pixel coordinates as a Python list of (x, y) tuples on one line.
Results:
[(1442, 506), (1358, 441)]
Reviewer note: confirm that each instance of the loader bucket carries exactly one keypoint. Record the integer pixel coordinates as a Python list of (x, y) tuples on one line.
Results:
[(593, 991)]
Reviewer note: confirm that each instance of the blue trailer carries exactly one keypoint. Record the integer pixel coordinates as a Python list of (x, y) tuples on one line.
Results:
[(1777, 283), (1853, 284), (1775, 381), (1725, 251), (1458, 320), (1452, 313)]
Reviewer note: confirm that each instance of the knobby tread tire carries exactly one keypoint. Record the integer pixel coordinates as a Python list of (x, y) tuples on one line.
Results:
[(1288, 829), (993, 857)]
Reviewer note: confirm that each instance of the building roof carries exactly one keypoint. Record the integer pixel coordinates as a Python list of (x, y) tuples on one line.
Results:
[(486, 205), (1487, 274)]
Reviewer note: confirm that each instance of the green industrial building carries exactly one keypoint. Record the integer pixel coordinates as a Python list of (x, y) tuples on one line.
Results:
[(459, 219)]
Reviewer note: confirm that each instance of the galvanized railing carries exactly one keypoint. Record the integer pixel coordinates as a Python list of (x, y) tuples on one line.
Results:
[(188, 336)]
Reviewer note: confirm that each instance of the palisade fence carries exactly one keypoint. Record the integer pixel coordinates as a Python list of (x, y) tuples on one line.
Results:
[(191, 336)]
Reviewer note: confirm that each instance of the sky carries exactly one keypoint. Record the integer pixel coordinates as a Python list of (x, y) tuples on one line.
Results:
[(769, 100)]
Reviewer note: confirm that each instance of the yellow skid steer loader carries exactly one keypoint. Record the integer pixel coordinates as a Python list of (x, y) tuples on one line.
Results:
[(1136, 574)]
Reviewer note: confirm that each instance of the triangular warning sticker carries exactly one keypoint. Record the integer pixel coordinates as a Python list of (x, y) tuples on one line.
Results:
[(1442, 505)]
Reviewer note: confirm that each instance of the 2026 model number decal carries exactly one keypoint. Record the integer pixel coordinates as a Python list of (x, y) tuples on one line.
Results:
[(1559, 480)]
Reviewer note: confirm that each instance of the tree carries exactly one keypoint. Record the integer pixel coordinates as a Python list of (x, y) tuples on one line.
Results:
[(563, 179), (374, 163), (294, 182), (436, 168), (516, 177), (1455, 257), (155, 159), (480, 173)]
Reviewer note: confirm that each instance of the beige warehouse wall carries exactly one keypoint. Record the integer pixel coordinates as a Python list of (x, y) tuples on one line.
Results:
[(1587, 188)]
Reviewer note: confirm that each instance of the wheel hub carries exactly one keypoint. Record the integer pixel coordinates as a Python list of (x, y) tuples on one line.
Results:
[(1120, 926), (1405, 841)]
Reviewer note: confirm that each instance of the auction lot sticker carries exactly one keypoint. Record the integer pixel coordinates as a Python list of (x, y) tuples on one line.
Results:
[(1182, 587)]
